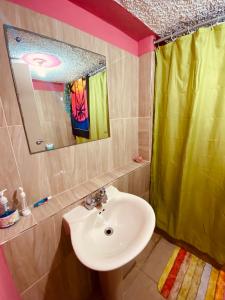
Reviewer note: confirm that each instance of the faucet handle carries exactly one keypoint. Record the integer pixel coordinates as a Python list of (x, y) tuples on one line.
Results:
[(102, 191), (103, 195), (89, 202)]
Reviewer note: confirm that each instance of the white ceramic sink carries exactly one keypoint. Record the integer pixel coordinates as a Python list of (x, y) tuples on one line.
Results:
[(108, 238)]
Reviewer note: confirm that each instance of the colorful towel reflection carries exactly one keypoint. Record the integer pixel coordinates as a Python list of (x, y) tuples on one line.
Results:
[(79, 108)]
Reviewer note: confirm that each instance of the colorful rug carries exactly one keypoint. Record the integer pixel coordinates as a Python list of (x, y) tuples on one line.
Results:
[(189, 277)]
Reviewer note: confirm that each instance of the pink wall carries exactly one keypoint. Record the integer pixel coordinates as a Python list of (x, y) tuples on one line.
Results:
[(146, 45), (47, 86), (74, 15), (7, 288)]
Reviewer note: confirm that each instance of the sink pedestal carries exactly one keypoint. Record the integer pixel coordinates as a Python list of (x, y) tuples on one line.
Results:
[(112, 284)]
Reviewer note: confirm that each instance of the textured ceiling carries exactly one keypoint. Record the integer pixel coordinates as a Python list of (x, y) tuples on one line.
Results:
[(74, 62), (167, 16)]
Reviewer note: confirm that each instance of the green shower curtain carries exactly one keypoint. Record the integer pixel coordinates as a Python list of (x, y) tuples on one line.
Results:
[(188, 165), (98, 108)]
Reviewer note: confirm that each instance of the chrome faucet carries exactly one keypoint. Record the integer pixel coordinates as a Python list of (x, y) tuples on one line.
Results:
[(96, 199)]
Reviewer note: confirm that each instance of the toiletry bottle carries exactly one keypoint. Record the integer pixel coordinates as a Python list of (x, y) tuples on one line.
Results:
[(4, 204), (25, 209)]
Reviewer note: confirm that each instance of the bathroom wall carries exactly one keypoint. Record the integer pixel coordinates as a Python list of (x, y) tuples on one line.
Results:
[(37, 250), (53, 172), (146, 95), (41, 258)]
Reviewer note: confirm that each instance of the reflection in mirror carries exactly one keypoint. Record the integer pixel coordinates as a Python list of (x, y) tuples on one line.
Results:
[(61, 90)]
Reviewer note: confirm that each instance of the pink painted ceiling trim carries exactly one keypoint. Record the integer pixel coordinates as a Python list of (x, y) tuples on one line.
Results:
[(146, 45), (76, 16), (47, 86), (116, 15)]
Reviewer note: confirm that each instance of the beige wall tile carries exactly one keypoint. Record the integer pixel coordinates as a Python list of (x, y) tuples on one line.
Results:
[(114, 54), (66, 167), (31, 255), (94, 159), (84, 189), (70, 281), (104, 179), (131, 138), (32, 167), (50, 208), (144, 138), (123, 87), (122, 184), (106, 155), (139, 181), (146, 83), (118, 147), (66, 198), (9, 176), (99, 157), (2, 117), (17, 229)]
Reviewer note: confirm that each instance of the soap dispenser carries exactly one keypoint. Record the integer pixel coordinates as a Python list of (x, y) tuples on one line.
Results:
[(25, 209), (4, 204)]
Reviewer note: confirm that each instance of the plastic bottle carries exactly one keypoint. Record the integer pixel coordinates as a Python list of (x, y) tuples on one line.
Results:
[(4, 203), (25, 209)]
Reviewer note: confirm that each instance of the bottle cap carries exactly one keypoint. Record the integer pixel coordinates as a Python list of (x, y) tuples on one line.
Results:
[(22, 194), (2, 192)]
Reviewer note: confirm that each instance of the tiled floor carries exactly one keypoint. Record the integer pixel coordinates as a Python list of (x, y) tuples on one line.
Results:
[(141, 281)]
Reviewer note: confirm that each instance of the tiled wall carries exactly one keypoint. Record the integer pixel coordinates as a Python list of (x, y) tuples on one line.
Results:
[(41, 259), (39, 254), (53, 172), (146, 94)]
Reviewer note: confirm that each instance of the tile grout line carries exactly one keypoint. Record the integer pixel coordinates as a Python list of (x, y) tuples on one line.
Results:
[(141, 269), (14, 156), (39, 279), (15, 125), (146, 163)]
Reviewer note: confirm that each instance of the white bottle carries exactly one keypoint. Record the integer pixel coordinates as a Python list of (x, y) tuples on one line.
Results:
[(4, 203), (25, 209)]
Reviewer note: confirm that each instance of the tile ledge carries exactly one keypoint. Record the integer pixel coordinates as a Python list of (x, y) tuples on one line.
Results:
[(90, 186)]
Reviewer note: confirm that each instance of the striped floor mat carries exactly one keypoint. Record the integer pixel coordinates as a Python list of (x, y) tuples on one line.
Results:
[(188, 277)]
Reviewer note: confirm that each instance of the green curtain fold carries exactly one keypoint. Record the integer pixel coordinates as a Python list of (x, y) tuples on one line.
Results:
[(98, 108), (188, 164)]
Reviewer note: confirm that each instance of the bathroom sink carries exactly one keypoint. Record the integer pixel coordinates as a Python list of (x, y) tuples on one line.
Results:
[(108, 238)]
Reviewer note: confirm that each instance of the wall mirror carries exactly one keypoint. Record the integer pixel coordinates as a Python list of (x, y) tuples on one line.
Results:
[(61, 90)]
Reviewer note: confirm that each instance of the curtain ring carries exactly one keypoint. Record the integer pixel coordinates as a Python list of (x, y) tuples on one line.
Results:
[(188, 30), (172, 38), (217, 20), (211, 25)]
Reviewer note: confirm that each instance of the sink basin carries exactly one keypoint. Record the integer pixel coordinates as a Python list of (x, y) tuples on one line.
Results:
[(108, 238)]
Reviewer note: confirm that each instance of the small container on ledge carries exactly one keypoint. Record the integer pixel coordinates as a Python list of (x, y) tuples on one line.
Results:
[(8, 217), (25, 209)]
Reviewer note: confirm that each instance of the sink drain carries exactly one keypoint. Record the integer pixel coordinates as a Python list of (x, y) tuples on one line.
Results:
[(108, 231)]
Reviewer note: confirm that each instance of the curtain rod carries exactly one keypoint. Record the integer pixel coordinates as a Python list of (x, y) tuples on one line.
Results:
[(175, 35), (96, 71)]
